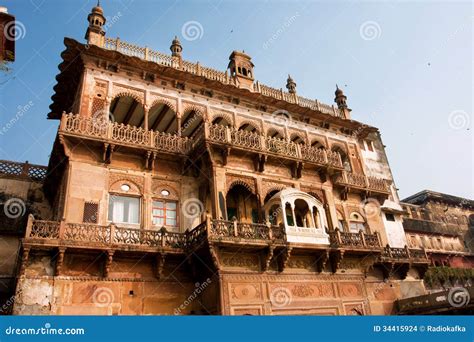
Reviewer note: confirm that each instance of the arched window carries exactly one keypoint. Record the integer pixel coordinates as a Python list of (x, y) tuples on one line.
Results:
[(297, 139), (273, 133), (317, 144), (356, 223), (316, 218), (303, 214), (340, 221), (190, 123), (248, 127), (289, 214), (162, 118), (344, 158), (242, 204), (127, 110), (219, 120)]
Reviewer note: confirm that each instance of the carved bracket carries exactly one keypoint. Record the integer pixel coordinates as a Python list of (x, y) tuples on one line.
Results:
[(160, 265), (215, 256), (268, 258), (60, 260), (108, 151), (24, 260), (322, 261), (108, 263), (297, 169), (259, 162), (336, 260), (285, 257)]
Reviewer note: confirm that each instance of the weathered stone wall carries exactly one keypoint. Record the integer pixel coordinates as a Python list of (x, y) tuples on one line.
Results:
[(19, 197), (130, 289)]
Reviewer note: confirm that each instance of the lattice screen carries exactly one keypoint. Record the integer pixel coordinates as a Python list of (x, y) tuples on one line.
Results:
[(91, 212)]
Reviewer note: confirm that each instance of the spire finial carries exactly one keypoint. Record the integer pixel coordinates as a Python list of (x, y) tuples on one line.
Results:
[(290, 85)]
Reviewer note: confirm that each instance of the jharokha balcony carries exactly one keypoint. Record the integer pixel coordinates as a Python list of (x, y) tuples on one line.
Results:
[(50, 234), (250, 141), (136, 137), (362, 183)]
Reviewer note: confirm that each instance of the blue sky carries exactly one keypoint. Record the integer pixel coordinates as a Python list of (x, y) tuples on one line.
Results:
[(406, 68)]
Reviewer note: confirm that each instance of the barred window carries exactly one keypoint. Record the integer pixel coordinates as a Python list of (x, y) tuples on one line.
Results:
[(91, 212)]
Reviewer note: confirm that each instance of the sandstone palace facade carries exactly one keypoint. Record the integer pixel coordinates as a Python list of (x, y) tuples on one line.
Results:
[(174, 188)]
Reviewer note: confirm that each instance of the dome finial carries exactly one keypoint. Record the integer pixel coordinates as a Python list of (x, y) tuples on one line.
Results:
[(291, 85), (176, 47), (95, 33)]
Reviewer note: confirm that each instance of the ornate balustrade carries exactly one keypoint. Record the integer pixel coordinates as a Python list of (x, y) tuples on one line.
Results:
[(360, 181), (222, 229), (246, 139), (112, 132), (86, 234), (216, 75), (404, 254), (281, 146), (249, 140), (349, 240), (23, 170)]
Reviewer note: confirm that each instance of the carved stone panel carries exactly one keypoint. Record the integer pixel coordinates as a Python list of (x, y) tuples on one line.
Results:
[(350, 290), (245, 292), (248, 261)]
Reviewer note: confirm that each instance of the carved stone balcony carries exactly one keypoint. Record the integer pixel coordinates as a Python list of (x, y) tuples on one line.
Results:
[(119, 134), (253, 233), (354, 241), (360, 182), (404, 255), (249, 141), (86, 235)]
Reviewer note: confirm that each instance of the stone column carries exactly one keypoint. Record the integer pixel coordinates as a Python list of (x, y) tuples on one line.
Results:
[(332, 219)]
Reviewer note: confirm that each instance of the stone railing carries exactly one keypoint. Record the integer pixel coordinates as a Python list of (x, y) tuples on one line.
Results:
[(216, 75), (249, 140), (359, 240), (23, 170), (361, 181), (86, 234), (404, 254), (121, 134), (222, 229), (113, 236)]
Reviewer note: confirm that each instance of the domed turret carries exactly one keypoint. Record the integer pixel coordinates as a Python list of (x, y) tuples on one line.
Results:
[(176, 47), (95, 33), (341, 101), (291, 85)]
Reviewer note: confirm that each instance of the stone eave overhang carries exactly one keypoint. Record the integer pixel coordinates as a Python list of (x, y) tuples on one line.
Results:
[(78, 53), (427, 195)]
